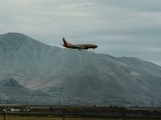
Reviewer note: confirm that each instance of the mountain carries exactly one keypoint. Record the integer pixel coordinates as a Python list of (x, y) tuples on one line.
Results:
[(12, 92), (76, 77)]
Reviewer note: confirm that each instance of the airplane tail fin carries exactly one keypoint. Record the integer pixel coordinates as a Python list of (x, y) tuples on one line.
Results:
[(65, 42)]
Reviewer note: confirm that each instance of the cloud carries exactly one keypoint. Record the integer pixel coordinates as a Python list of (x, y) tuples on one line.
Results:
[(120, 28)]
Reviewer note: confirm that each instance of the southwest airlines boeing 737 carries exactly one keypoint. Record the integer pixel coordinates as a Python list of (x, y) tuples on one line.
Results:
[(78, 46)]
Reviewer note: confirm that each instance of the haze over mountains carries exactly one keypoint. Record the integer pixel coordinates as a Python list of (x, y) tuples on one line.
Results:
[(32, 71)]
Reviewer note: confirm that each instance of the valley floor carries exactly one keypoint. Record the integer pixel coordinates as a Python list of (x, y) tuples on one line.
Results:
[(36, 112)]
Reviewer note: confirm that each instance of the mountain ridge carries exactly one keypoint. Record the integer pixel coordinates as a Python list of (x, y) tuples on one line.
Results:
[(80, 77)]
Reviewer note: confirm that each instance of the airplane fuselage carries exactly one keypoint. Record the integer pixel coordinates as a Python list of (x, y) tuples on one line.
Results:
[(78, 46), (86, 46)]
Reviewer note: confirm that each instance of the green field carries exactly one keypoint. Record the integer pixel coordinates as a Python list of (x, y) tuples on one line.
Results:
[(56, 118), (50, 118)]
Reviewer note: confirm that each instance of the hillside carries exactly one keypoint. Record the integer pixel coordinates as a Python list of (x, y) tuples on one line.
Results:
[(78, 77), (12, 92)]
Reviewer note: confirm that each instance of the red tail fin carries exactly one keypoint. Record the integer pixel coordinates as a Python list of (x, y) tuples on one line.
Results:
[(65, 42)]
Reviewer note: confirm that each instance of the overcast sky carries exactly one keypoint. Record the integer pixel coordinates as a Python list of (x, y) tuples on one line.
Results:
[(130, 28)]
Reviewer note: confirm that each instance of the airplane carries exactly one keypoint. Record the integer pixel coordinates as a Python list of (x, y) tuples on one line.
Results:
[(78, 46)]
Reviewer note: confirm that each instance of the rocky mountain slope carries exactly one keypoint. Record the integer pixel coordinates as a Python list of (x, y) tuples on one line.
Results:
[(76, 77), (12, 91)]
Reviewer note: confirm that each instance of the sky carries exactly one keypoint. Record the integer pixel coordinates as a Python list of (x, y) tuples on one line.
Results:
[(129, 28)]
